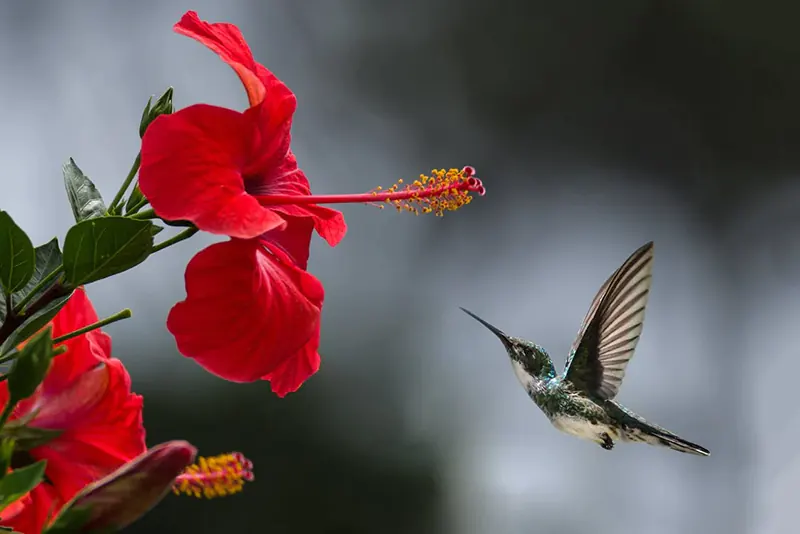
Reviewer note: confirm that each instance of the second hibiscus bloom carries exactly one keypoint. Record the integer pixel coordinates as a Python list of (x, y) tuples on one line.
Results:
[(87, 404)]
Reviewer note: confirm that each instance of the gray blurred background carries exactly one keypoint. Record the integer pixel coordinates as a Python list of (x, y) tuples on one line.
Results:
[(595, 126)]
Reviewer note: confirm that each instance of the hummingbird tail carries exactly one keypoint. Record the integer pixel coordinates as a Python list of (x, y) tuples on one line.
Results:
[(638, 429), (656, 436)]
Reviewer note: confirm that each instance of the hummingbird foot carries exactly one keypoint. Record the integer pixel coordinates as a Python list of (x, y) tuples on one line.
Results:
[(607, 443)]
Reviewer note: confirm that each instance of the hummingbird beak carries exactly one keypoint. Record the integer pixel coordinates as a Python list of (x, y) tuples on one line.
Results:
[(499, 333)]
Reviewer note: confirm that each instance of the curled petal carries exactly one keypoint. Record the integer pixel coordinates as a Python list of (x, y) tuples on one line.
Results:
[(246, 310), (227, 41), (192, 164)]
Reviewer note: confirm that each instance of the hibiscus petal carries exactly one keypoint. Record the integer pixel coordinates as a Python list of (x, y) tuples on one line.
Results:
[(86, 350), (227, 41), (245, 312), (192, 164), (84, 353), (291, 374), (59, 409), (104, 434), (272, 123), (293, 241), (328, 223)]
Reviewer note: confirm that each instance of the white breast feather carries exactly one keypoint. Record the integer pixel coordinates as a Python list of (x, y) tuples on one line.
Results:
[(524, 378), (583, 429)]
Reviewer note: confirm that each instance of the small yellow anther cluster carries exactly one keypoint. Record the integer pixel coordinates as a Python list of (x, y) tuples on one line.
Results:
[(440, 192), (217, 476)]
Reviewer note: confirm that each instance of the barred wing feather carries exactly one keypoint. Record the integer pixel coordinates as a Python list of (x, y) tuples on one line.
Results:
[(611, 328)]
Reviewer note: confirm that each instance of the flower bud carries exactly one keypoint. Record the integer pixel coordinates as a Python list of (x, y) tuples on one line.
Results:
[(116, 501), (163, 106)]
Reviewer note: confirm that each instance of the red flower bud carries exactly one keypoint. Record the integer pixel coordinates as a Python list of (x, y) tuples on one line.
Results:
[(122, 497)]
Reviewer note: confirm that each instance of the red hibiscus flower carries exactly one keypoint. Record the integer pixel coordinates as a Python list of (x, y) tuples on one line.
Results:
[(86, 396), (233, 156), (252, 312)]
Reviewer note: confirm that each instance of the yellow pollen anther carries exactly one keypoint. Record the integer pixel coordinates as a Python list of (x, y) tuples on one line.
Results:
[(215, 477), (443, 190)]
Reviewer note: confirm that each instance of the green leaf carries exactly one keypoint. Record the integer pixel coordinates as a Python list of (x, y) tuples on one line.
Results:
[(6, 451), (20, 481), (71, 521), (17, 255), (30, 367), (155, 230), (83, 196), (35, 322), (99, 248), (26, 437), (136, 197), (48, 259)]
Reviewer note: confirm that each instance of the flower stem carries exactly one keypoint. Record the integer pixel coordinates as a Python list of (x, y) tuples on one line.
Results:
[(124, 314), (139, 205), (146, 214), (128, 179), (41, 285), (13, 353), (14, 320), (186, 234)]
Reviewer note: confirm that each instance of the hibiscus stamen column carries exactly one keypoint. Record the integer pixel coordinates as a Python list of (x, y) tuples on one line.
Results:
[(441, 191)]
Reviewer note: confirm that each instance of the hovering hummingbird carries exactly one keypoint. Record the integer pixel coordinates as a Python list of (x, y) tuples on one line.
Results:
[(580, 400)]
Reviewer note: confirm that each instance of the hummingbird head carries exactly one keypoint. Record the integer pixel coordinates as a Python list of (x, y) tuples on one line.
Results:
[(532, 358)]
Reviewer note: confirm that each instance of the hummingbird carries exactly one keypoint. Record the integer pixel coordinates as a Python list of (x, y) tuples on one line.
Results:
[(580, 401)]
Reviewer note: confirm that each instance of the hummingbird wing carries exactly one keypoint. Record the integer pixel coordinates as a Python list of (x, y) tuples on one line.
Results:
[(611, 328)]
